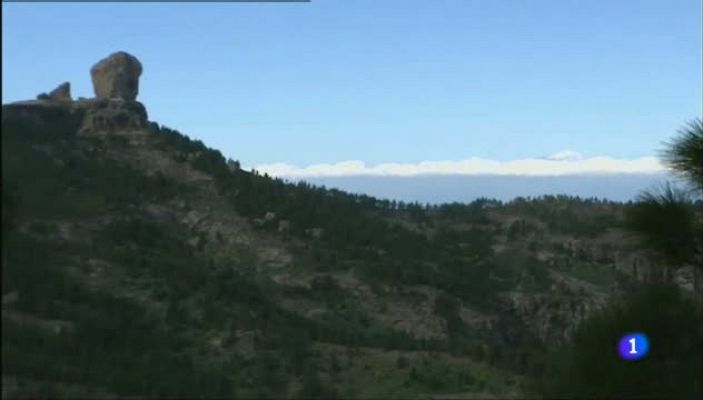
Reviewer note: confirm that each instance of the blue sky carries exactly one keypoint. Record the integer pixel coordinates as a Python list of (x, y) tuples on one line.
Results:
[(383, 81)]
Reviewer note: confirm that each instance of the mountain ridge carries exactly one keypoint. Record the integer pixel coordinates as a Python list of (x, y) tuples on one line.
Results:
[(176, 273)]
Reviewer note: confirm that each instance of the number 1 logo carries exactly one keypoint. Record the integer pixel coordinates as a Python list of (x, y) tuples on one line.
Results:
[(633, 346)]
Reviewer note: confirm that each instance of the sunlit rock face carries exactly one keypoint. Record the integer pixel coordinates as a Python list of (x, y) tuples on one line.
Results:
[(117, 77)]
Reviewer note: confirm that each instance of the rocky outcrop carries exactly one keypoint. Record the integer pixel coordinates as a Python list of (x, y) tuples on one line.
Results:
[(283, 226), (37, 115), (94, 116), (113, 115), (61, 93), (115, 110), (552, 316), (117, 77)]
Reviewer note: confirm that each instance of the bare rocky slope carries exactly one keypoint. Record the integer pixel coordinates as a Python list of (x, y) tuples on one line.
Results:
[(137, 261)]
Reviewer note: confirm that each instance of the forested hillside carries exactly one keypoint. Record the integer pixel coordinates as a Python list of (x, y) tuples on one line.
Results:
[(142, 263)]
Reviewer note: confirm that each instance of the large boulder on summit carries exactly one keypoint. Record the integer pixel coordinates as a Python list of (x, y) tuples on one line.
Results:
[(114, 110), (117, 77)]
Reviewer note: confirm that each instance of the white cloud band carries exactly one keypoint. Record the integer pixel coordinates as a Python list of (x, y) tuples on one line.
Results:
[(555, 165)]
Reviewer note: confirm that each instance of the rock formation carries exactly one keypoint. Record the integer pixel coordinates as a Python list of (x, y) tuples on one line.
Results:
[(283, 226), (117, 76), (61, 93), (113, 115), (114, 110)]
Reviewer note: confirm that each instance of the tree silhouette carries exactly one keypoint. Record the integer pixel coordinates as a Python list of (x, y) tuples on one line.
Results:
[(684, 154), (666, 219)]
